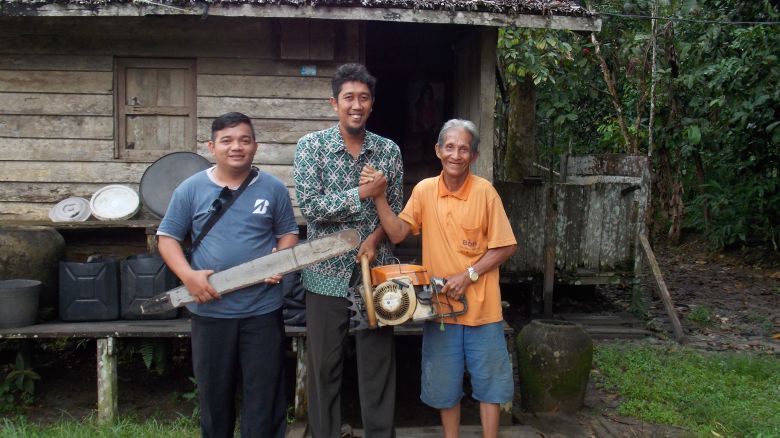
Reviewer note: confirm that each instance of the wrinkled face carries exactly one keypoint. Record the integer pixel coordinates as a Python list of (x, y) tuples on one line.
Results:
[(234, 147), (353, 105), (455, 154)]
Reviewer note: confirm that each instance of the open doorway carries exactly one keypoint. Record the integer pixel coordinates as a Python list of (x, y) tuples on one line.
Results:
[(414, 65), (415, 69)]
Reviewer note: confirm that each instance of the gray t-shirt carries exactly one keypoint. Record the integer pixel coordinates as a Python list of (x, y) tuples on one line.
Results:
[(248, 229)]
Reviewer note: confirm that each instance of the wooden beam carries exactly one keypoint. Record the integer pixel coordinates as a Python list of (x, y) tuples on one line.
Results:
[(106, 380), (56, 104), (267, 108), (144, 7), (662, 290)]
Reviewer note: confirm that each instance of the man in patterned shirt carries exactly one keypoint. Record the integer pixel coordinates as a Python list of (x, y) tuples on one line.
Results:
[(327, 171)]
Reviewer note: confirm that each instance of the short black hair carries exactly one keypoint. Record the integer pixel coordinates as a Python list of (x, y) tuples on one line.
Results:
[(352, 72), (229, 120)]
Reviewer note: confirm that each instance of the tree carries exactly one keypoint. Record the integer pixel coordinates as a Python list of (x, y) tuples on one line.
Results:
[(717, 118)]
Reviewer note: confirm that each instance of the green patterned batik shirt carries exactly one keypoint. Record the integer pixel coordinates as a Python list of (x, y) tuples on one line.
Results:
[(326, 184)]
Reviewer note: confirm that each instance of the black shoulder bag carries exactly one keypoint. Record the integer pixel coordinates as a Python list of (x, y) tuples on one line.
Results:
[(221, 205)]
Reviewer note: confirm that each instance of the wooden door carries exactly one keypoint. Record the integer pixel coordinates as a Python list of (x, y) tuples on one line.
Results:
[(155, 107)]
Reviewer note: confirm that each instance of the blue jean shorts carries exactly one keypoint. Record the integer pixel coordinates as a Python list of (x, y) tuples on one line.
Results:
[(480, 350)]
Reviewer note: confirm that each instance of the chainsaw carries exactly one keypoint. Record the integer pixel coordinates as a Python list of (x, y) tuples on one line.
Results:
[(399, 293), (255, 271)]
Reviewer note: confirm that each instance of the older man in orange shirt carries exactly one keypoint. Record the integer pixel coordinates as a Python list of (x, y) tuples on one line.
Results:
[(466, 235)]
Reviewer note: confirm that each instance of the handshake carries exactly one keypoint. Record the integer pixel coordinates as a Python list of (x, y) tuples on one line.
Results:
[(373, 182)]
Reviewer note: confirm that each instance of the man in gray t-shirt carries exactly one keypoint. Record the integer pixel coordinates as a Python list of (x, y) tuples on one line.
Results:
[(242, 331)]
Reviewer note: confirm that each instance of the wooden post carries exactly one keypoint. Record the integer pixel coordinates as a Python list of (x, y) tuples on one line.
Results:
[(549, 250), (301, 403), (662, 290), (151, 240), (106, 380)]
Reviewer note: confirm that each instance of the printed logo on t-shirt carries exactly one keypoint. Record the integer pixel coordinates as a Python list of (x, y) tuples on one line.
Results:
[(470, 244), (261, 206)]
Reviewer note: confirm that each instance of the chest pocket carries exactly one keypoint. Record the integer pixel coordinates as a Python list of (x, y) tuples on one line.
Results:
[(467, 237)]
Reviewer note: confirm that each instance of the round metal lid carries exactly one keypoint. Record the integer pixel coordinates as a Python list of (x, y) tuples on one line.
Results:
[(114, 202), (73, 209), (163, 176)]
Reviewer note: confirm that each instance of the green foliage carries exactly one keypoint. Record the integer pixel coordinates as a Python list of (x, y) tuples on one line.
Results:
[(18, 385), (708, 393), (90, 428), (701, 315), (156, 354), (717, 102), (548, 57), (192, 397)]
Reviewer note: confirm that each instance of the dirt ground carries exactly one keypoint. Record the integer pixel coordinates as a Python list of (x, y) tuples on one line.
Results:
[(734, 298)]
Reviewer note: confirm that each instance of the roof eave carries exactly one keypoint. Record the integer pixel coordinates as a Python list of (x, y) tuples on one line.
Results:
[(150, 7)]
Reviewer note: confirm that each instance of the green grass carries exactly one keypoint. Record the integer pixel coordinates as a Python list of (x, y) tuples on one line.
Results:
[(710, 394), (181, 428), (701, 315)]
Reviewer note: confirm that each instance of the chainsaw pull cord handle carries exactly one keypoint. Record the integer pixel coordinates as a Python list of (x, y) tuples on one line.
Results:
[(368, 299)]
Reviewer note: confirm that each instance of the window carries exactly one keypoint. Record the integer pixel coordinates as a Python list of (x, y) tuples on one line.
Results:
[(155, 107)]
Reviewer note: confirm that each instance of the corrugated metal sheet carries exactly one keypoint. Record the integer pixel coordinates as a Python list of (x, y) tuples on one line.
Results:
[(511, 7)]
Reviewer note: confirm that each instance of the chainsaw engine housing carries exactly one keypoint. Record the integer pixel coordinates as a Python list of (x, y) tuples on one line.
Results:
[(406, 292)]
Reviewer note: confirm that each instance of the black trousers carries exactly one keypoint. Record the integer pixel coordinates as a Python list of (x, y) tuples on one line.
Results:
[(327, 326), (253, 348)]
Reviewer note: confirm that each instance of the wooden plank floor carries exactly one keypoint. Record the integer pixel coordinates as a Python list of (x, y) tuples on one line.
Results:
[(298, 430)]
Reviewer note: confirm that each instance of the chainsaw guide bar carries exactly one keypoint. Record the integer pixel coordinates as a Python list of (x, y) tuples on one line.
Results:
[(255, 271)]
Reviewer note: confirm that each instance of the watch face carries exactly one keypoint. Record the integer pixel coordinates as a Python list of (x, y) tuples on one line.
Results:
[(473, 275)]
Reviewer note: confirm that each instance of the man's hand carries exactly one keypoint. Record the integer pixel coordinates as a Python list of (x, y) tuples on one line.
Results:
[(197, 284), (372, 182), (368, 247), (456, 285), (274, 279)]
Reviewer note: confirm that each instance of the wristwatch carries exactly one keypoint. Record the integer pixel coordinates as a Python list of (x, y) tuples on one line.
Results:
[(473, 275)]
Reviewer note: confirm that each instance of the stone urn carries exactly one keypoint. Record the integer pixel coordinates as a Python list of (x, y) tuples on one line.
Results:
[(554, 362), (34, 253)]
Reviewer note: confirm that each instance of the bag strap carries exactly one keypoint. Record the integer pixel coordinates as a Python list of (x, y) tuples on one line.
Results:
[(216, 214)]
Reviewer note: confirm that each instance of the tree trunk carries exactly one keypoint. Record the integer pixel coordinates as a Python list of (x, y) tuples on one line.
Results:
[(700, 178), (521, 147)]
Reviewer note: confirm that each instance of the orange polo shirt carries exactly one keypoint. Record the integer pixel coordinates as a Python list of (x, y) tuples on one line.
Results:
[(457, 229)]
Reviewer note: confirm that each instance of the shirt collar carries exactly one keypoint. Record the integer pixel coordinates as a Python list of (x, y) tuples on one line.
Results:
[(463, 191), (368, 143)]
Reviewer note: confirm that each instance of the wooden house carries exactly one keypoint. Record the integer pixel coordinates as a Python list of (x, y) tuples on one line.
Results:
[(93, 91)]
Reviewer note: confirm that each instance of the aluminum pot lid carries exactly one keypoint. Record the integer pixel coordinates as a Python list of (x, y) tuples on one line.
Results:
[(163, 176), (115, 202), (73, 209)]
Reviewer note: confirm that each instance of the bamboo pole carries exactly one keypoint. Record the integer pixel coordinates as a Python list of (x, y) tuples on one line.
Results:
[(662, 290)]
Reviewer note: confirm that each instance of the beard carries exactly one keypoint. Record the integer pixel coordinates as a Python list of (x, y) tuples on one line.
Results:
[(355, 131)]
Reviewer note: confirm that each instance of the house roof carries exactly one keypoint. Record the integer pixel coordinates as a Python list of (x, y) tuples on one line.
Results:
[(560, 14)]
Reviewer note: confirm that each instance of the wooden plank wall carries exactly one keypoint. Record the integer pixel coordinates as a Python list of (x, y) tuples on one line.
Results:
[(57, 123), (600, 208)]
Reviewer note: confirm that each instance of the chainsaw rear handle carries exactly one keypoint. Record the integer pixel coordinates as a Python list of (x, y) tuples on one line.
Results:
[(368, 291), (438, 283)]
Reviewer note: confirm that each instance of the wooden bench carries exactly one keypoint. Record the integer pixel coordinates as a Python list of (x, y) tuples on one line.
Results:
[(107, 334), (123, 238)]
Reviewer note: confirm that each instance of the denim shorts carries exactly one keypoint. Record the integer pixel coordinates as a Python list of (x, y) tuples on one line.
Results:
[(480, 350)]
